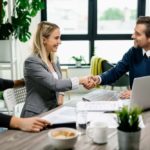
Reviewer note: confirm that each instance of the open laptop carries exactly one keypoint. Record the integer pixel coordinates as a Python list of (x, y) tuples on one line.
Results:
[(141, 92), (140, 97)]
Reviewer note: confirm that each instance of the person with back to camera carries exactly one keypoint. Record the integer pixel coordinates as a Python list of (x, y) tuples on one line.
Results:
[(136, 60), (42, 73), (33, 124)]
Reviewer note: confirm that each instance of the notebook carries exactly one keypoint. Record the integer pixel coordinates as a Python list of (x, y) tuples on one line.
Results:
[(141, 92)]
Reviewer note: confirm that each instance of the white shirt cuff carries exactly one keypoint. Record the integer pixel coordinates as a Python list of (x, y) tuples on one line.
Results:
[(100, 79), (75, 83), (61, 93)]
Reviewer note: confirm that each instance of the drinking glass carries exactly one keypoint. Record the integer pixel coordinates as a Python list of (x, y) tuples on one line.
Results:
[(81, 120)]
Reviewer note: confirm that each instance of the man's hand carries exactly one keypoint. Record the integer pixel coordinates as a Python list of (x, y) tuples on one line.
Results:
[(33, 124), (60, 99), (125, 94), (87, 82), (96, 79)]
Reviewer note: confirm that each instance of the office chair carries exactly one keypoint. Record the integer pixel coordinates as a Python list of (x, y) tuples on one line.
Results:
[(14, 99)]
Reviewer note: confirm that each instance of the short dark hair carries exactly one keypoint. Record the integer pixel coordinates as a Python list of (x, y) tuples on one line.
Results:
[(145, 20)]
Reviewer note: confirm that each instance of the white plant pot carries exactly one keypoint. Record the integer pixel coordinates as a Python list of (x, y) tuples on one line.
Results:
[(129, 140), (78, 64), (5, 49)]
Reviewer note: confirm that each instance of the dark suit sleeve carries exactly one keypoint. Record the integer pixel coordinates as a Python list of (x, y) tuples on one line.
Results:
[(5, 120), (116, 72), (5, 84)]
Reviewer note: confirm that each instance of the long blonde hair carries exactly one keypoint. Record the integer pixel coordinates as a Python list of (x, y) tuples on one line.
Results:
[(44, 29)]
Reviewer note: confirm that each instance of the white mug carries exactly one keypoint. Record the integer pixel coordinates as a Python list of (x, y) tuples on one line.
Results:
[(97, 131)]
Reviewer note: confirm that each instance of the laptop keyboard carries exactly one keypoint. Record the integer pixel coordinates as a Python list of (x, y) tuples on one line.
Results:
[(104, 106)]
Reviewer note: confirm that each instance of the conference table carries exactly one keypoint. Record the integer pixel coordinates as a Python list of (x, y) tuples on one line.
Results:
[(19, 140)]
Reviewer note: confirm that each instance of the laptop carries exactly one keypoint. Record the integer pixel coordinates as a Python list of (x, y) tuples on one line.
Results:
[(102, 100), (141, 92), (140, 97)]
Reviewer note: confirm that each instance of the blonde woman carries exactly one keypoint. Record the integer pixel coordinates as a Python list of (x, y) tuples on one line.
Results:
[(43, 75)]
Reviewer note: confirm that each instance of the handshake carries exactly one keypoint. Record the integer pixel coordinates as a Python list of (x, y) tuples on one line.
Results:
[(90, 81)]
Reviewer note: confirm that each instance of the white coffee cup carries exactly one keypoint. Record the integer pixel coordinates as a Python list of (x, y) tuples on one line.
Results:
[(97, 131)]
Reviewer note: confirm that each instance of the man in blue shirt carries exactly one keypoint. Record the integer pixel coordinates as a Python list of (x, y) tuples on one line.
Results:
[(136, 60)]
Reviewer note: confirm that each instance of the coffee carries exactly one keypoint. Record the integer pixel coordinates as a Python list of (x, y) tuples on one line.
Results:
[(63, 134)]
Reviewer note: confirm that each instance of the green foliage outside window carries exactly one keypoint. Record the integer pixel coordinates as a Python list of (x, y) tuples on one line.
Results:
[(112, 14)]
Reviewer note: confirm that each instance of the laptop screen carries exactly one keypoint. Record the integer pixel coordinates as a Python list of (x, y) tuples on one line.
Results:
[(141, 92)]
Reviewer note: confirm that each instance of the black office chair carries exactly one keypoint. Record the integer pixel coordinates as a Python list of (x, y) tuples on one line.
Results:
[(121, 82)]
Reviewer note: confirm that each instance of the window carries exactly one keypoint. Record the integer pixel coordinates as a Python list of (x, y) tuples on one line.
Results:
[(73, 48), (116, 16), (91, 27), (68, 15), (107, 49)]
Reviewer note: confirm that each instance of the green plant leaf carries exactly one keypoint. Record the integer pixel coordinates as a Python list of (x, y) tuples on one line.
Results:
[(23, 12), (5, 31), (128, 119)]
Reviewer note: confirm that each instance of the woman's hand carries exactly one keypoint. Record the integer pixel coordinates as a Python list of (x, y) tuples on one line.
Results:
[(19, 83), (60, 99)]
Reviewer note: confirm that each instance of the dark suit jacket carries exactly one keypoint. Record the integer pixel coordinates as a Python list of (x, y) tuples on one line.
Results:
[(5, 84), (133, 62), (42, 87), (5, 119)]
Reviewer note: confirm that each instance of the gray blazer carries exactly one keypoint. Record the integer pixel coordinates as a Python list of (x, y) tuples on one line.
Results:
[(42, 87)]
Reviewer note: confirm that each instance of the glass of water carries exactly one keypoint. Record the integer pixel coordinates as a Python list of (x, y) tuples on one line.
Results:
[(81, 120)]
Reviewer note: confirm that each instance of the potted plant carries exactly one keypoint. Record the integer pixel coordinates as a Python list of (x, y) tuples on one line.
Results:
[(128, 128), (15, 20), (78, 60), (20, 19)]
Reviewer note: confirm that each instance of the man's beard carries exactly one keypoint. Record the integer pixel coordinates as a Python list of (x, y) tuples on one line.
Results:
[(136, 45)]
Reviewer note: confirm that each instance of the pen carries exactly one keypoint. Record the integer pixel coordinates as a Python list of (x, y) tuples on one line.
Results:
[(85, 99)]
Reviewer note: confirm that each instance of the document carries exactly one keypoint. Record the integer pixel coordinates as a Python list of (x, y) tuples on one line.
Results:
[(66, 117), (65, 114)]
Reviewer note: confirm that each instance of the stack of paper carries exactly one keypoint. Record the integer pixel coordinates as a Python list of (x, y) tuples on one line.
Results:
[(65, 114)]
